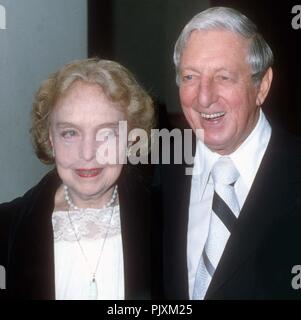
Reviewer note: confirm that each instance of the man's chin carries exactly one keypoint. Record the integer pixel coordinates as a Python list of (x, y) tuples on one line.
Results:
[(217, 146)]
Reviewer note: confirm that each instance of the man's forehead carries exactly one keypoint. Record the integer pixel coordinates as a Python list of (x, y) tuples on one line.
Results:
[(219, 44), (221, 33)]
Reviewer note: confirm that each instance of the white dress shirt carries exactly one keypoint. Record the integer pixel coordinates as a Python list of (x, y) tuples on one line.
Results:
[(246, 159)]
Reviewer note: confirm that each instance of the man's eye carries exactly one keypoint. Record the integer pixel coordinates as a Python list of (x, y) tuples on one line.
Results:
[(187, 77), (69, 134), (223, 78)]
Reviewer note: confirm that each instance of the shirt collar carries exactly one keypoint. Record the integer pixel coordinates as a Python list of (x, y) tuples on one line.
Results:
[(246, 158)]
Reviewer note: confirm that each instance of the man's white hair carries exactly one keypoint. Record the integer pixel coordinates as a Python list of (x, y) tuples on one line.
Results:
[(260, 55)]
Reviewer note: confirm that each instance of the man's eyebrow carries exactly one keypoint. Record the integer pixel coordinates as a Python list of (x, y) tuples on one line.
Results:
[(221, 69), (193, 69), (188, 68)]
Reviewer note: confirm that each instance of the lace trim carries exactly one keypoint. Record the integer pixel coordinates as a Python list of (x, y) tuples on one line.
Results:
[(91, 224)]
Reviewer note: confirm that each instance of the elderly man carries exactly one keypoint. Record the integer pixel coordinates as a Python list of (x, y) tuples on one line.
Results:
[(230, 228)]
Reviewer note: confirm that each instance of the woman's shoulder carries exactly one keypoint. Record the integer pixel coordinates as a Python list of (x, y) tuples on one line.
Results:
[(8, 217), (8, 210), (13, 212)]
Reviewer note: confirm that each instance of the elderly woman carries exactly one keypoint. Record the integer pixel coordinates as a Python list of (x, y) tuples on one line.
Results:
[(83, 232)]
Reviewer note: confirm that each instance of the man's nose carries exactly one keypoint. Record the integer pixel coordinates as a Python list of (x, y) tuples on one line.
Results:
[(88, 148), (207, 94)]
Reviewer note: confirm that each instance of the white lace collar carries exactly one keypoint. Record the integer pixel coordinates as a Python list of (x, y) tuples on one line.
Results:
[(91, 224)]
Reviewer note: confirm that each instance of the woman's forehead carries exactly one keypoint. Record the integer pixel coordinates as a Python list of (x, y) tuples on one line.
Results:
[(86, 103)]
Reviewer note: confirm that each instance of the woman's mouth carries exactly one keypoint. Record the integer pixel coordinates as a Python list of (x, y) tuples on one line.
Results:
[(88, 173)]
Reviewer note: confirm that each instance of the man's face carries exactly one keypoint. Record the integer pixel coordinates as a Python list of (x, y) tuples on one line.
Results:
[(217, 92)]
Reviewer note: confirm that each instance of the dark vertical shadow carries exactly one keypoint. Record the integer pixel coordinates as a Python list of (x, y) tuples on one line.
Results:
[(100, 28)]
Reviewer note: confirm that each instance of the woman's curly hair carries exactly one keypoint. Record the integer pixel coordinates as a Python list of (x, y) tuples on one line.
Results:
[(118, 84)]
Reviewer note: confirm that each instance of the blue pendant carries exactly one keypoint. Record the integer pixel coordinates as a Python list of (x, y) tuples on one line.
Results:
[(93, 293)]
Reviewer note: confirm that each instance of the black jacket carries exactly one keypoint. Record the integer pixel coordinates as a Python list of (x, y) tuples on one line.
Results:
[(265, 244), (27, 247)]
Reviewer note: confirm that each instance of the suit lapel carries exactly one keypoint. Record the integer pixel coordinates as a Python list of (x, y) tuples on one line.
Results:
[(265, 203)]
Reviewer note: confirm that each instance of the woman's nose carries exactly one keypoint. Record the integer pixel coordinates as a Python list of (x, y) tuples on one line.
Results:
[(88, 149)]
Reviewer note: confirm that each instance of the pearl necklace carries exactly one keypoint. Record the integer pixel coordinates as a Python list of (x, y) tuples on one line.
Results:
[(93, 291), (74, 207)]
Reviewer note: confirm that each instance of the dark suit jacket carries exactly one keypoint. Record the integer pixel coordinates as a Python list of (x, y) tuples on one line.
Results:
[(265, 243), (26, 238)]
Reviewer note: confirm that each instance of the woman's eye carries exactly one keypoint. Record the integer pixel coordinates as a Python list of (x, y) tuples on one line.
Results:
[(69, 134), (105, 134)]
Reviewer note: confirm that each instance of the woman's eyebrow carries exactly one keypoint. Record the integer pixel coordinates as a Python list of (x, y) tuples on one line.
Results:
[(103, 125)]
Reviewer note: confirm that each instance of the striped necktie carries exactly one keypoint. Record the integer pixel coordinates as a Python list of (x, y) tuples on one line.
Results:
[(225, 210)]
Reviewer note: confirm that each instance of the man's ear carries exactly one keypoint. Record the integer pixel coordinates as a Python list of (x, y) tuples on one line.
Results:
[(264, 87)]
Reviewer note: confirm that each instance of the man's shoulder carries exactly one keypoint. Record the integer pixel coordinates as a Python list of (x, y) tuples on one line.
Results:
[(285, 138), (284, 146)]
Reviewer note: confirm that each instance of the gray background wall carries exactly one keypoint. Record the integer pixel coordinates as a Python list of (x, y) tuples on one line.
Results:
[(40, 37)]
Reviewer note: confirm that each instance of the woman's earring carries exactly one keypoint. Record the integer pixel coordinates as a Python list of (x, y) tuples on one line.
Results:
[(129, 152), (53, 153)]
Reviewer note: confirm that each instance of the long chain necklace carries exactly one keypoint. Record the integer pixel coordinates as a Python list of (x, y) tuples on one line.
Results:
[(93, 288)]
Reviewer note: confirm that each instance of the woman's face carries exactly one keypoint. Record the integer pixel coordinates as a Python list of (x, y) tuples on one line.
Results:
[(83, 120)]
